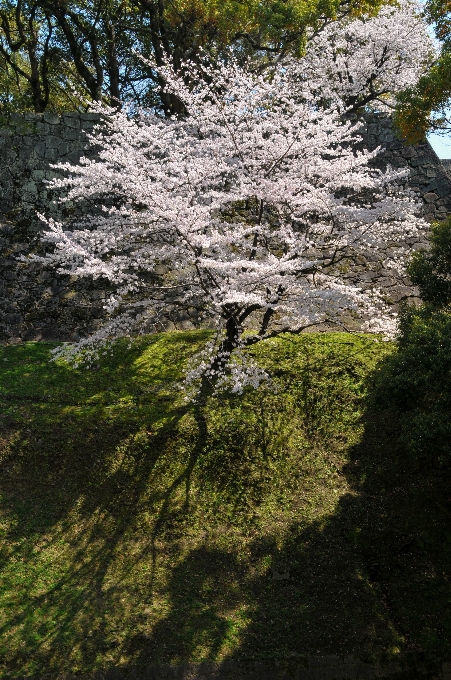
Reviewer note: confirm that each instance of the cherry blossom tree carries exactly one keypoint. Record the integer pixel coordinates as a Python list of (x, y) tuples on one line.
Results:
[(369, 60), (254, 201)]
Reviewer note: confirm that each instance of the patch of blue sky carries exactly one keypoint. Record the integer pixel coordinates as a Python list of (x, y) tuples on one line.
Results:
[(441, 144)]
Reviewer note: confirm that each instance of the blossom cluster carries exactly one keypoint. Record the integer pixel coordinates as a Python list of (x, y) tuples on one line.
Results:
[(252, 201), (369, 60)]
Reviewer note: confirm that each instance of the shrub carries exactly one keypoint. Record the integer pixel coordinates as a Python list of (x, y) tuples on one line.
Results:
[(416, 381)]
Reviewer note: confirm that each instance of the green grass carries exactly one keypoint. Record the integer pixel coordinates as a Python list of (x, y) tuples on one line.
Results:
[(297, 528)]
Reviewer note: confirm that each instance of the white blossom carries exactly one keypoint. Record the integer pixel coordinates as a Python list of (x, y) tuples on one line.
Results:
[(369, 60), (252, 201)]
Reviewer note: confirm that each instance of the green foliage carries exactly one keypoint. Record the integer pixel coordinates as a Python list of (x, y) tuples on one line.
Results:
[(35, 73), (424, 107), (50, 48), (431, 269), (416, 381), (416, 384)]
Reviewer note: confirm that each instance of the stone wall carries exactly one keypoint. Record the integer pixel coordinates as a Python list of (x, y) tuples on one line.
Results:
[(29, 144), (35, 303), (429, 176)]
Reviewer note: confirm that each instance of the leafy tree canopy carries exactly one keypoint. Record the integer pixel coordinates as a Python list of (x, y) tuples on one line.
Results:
[(55, 53), (424, 106), (414, 383), (431, 269)]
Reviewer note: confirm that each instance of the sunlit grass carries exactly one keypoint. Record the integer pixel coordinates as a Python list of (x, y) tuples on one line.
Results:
[(115, 552)]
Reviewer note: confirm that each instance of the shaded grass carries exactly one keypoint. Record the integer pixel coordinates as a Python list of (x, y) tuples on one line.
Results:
[(295, 529)]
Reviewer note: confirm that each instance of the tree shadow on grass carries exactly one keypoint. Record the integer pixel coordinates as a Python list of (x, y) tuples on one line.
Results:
[(372, 579), (88, 434), (107, 566), (83, 454), (315, 598), (403, 515)]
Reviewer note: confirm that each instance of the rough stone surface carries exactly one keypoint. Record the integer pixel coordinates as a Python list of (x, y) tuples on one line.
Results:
[(35, 303)]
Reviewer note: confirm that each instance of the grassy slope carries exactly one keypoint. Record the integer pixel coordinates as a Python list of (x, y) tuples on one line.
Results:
[(298, 529)]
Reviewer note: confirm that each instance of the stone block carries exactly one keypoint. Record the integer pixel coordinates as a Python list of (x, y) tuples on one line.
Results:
[(386, 136), (52, 174), (71, 121), (28, 115), (97, 312), (16, 118), (28, 140), (52, 142), (13, 319), (90, 115), (30, 188), (40, 148), (41, 129), (398, 293), (72, 134), (441, 186), (25, 127), (51, 154), (396, 145), (386, 281), (63, 148), (19, 247), (88, 124), (368, 276), (51, 118), (430, 197), (185, 325), (25, 153), (385, 121), (409, 152), (73, 156), (70, 295)]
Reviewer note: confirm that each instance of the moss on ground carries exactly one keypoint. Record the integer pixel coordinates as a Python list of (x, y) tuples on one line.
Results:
[(296, 529)]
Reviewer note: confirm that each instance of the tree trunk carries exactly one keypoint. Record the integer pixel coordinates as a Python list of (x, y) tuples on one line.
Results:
[(35, 83), (113, 67)]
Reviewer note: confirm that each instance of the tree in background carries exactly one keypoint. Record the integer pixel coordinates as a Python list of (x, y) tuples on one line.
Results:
[(93, 43), (170, 192), (55, 48), (368, 60), (34, 73), (424, 106)]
